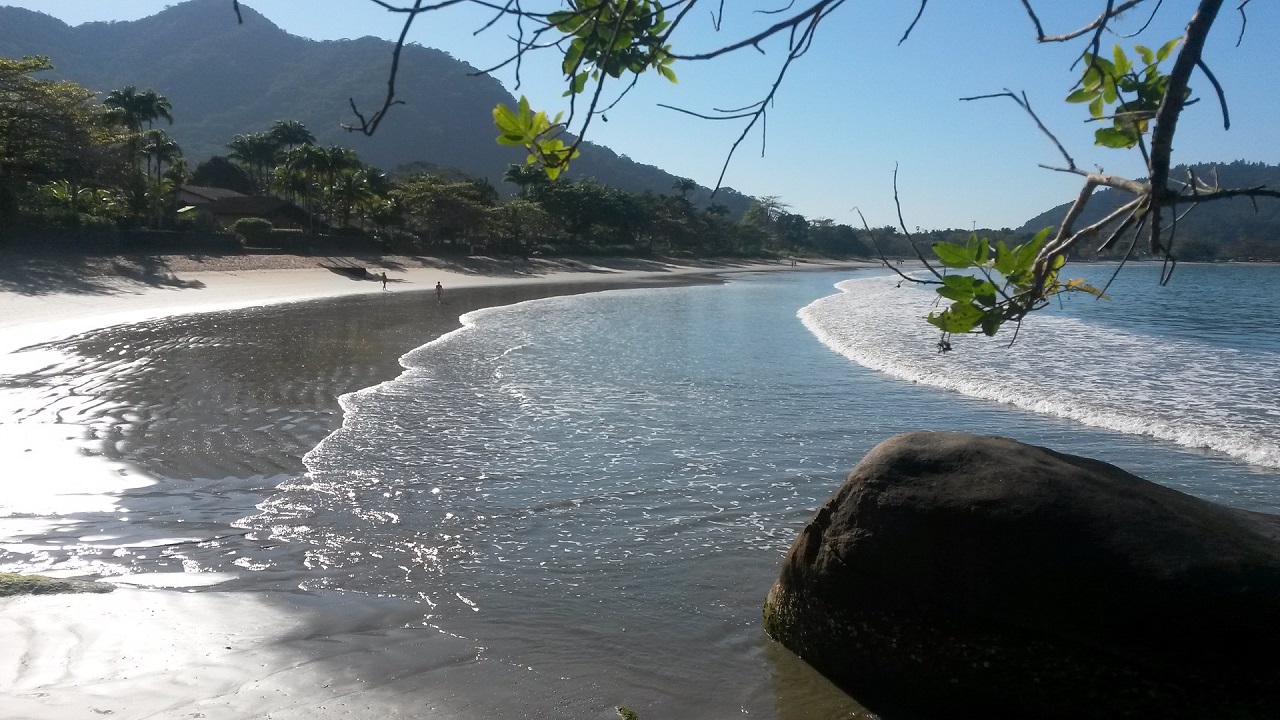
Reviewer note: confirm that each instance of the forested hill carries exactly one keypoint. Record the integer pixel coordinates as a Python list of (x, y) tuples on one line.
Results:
[(224, 79), (1235, 229)]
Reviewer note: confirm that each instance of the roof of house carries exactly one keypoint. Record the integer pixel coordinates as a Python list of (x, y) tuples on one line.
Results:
[(199, 194), (247, 205)]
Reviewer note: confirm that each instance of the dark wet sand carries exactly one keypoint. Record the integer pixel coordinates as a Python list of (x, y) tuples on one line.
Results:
[(219, 408)]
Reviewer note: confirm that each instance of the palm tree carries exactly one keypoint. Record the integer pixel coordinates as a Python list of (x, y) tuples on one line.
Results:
[(290, 134), (128, 105), (525, 176), (156, 106), (684, 185), (256, 152), (350, 191), (136, 108), (177, 172), (159, 147)]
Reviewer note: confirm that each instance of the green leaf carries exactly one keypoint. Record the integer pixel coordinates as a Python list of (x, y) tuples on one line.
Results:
[(1115, 138), (1145, 53), (1006, 263), (959, 318), (951, 293), (1163, 53), (572, 56), (1109, 93), (1026, 254), (1122, 60), (951, 255), (964, 283), (976, 249), (1096, 107), (991, 322), (1082, 95), (505, 120)]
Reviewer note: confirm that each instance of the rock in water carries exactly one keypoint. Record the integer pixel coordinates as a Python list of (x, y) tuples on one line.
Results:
[(956, 576)]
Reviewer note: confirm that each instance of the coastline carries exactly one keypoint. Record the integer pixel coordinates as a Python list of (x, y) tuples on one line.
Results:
[(254, 645)]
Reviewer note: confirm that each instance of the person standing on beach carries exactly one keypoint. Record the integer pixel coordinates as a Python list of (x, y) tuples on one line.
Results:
[(439, 292), (384, 281)]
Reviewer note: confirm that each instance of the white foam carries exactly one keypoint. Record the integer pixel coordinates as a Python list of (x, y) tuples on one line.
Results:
[(1175, 389)]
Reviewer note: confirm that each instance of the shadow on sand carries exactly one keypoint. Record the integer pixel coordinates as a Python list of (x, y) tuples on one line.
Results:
[(89, 275)]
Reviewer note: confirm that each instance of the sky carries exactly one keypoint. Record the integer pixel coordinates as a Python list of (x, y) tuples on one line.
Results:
[(858, 104)]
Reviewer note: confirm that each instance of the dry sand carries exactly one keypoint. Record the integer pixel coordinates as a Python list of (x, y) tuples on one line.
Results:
[(156, 649)]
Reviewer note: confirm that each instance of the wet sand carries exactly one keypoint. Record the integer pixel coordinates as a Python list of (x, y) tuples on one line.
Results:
[(137, 448)]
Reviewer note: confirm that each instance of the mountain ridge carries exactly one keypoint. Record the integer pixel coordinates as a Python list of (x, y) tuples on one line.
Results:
[(224, 78)]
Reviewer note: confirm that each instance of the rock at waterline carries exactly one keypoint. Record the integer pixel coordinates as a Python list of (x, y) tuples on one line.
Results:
[(17, 584), (956, 575)]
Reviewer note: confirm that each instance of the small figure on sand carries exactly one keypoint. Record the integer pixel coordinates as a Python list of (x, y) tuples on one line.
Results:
[(439, 292), (384, 281)]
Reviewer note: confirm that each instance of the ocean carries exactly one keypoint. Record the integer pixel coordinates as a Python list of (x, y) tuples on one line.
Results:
[(596, 490)]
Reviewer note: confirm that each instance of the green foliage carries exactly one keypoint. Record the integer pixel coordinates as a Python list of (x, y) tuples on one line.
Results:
[(252, 229), (613, 38), (536, 133), (51, 132), (1135, 92), (1007, 285), (605, 38), (626, 713)]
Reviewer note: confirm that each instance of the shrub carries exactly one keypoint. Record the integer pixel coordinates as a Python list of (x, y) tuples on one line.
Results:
[(252, 230), (285, 238), (400, 241)]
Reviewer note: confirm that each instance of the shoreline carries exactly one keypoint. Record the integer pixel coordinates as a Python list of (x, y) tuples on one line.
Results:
[(47, 297), (254, 645)]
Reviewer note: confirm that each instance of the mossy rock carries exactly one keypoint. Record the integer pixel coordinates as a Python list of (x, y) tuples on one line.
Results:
[(15, 584)]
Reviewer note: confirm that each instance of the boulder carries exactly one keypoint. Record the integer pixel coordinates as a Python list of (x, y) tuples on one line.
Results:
[(956, 575)]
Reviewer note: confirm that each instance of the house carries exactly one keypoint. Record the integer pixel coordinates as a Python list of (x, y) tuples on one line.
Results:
[(227, 206)]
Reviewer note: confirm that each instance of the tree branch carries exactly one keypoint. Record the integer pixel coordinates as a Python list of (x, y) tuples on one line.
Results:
[(1166, 122)]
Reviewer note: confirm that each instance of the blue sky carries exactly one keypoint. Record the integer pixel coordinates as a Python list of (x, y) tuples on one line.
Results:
[(858, 104)]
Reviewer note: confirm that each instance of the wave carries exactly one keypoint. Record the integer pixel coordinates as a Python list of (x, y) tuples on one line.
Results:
[(1177, 389)]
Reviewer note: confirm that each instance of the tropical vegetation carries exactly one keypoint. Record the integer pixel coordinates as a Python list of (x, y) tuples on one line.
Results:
[(71, 162)]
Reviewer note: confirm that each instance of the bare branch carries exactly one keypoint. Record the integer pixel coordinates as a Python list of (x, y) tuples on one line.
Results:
[(1244, 21), (1222, 98), (876, 244), (1098, 24), (914, 20), (1026, 105), (370, 126), (902, 223)]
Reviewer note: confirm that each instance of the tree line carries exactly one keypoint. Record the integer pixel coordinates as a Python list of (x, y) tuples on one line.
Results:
[(72, 162)]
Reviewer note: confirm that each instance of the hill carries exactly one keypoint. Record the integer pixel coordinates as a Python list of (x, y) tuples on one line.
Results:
[(1235, 229), (224, 79)]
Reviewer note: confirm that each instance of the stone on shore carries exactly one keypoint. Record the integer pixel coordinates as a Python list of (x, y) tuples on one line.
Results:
[(955, 576), (16, 584)]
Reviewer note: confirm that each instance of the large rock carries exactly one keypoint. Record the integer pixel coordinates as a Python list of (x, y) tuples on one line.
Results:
[(956, 576)]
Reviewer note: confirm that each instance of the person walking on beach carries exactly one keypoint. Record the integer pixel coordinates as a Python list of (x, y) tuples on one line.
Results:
[(439, 292), (384, 281)]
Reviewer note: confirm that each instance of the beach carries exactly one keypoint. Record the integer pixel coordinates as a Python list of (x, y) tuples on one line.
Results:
[(101, 427)]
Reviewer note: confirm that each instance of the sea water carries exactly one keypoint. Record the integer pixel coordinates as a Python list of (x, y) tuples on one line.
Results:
[(600, 488), (596, 491)]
